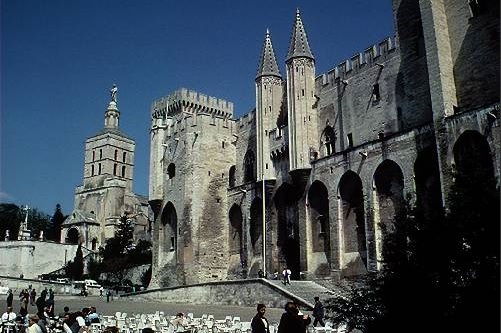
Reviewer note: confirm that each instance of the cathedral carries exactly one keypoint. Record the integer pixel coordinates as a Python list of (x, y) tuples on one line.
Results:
[(106, 193), (307, 179)]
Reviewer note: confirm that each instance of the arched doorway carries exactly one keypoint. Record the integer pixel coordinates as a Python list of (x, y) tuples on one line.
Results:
[(72, 236), (285, 200), (427, 182), (168, 240), (352, 213)]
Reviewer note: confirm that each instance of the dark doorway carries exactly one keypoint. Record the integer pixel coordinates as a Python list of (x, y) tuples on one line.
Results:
[(290, 251), (72, 237), (285, 200)]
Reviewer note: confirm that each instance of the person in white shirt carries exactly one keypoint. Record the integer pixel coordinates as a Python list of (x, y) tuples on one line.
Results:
[(33, 324), (8, 315)]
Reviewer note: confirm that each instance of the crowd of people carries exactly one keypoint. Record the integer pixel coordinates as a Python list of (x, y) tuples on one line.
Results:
[(46, 321)]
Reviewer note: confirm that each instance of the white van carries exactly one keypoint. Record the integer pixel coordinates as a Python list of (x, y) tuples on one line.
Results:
[(92, 284)]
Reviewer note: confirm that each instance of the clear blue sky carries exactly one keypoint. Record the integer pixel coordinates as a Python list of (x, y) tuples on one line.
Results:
[(59, 59)]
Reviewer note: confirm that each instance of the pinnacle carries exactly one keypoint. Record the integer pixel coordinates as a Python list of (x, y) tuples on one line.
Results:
[(268, 64), (299, 47)]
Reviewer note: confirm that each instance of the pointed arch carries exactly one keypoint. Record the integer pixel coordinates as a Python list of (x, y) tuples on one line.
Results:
[(388, 196), (352, 213), (473, 158), (169, 223), (256, 225), (232, 177), (235, 229), (318, 200), (171, 170), (249, 166)]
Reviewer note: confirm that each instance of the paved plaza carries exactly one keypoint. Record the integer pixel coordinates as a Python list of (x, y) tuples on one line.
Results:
[(130, 306)]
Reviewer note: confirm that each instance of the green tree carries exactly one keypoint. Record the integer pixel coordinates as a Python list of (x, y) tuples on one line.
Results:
[(57, 221), (75, 268), (10, 219), (38, 221), (120, 254)]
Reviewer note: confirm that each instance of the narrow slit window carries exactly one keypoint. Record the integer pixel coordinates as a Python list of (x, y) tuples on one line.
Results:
[(375, 92), (349, 137)]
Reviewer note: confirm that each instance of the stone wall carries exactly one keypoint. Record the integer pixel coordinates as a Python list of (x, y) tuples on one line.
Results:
[(32, 258), (17, 284), (237, 292)]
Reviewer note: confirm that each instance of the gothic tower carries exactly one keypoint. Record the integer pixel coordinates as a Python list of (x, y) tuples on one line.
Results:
[(300, 67), (269, 91)]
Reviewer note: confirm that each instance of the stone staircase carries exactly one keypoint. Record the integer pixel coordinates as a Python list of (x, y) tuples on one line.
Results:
[(306, 290)]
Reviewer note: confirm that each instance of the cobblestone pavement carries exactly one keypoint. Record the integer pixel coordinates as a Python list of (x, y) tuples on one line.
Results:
[(129, 306)]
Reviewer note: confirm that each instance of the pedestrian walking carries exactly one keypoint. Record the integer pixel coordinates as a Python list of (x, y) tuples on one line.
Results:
[(108, 295), (286, 273), (318, 312), (10, 298), (33, 295)]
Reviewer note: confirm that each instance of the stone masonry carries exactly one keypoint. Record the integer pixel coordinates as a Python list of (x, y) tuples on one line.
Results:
[(336, 154)]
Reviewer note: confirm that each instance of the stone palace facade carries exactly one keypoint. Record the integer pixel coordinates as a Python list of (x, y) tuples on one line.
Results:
[(325, 158)]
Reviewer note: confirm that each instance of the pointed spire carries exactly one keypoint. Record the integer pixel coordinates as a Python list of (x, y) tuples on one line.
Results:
[(299, 42), (268, 63)]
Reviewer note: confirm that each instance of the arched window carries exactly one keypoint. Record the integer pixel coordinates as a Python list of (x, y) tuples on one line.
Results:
[(92, 170), (116, 154), (171, 170), (93, 155), (249, 166), (99, 169), (329, 138), (114, 169), (123, 171), (100, 153), (231, 177), (124, 156), (94, 244)]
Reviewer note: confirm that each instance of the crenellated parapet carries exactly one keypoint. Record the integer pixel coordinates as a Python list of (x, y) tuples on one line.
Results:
[(374, 55), (189, 101), (247, 121), (279, 143), (192, 122)]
